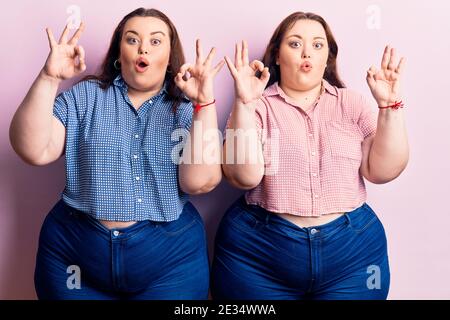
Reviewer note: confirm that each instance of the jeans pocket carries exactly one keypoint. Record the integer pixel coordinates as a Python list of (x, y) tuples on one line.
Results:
[(243, 219), (363, 221), (62, 213), (173, 228)]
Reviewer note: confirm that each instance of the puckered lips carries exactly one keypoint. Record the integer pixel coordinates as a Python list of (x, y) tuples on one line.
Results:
[(306, 66), (141, 65)]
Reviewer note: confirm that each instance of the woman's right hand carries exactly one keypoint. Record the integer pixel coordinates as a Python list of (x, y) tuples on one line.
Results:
[(247, 85), (66, 59)]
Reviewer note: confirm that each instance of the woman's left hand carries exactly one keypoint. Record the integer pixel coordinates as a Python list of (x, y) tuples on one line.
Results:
[(198, 85), (385, 83)]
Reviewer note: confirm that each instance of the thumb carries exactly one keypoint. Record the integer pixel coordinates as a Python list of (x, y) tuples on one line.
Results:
[(371, 77), (79, 51), (265, 75), (257, 65)]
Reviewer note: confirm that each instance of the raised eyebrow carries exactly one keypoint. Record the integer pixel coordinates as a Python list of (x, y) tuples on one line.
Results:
[(300, 37), (136, 33), (155, 32), (132, 31)]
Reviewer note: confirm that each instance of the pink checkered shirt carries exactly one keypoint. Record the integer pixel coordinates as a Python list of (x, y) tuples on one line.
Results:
[(314, 168)]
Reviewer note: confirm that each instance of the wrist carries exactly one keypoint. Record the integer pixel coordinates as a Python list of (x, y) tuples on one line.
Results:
[(45, 76), (244, 101), (202, 102), (240, 104), (391, 105), (199, 106)]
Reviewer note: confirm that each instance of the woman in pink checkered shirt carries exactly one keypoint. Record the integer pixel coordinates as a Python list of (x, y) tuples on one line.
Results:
[(305, 143)]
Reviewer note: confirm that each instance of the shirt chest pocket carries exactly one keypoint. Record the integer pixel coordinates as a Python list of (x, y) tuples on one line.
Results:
[(343, 140)]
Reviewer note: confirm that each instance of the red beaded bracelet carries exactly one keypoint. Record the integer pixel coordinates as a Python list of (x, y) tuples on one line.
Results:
[(395, 106), (198, 106)]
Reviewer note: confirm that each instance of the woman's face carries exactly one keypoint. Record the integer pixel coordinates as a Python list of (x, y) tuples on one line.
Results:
[(144, 53), (303, 55)]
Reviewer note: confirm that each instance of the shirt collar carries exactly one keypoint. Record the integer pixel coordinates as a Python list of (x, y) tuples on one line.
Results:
[(120, 82), (275, 89)]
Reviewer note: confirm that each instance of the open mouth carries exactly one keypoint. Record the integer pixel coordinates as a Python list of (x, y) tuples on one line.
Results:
[(141, 64)]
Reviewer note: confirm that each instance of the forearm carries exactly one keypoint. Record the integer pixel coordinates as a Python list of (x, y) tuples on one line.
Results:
[(200, 170), (389, 153), (31, 126), (243, 162)]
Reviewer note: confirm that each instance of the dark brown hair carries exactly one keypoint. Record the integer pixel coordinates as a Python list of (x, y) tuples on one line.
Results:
[(108, 72), (270, 56)]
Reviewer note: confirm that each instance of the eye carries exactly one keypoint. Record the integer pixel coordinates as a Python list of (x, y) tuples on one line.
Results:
[(132, 40), (295, 44), (155, 42), (318, 45)]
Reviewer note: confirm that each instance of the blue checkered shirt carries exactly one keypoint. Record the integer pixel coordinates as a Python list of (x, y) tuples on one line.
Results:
[(119, 163)]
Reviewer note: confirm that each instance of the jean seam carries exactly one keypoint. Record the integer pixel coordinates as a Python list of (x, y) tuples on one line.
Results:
[(366, 226)]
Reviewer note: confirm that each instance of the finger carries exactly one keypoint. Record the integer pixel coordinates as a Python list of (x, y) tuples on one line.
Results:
[(198, 47), (370, 81), (265, 75), (81, 67), (391, 65), (371, 77), (231, 67), (185, 68), (377, 75), (51, 39), (77, 35), (238, 56), (209, 58), (401, 66), (179, 81), (244, 53), (257, 65), (385, 59), (63, 38), (372, 70), (218, 67)]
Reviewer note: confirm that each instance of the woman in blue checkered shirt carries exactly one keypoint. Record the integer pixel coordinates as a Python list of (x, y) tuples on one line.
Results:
[(124, 227)]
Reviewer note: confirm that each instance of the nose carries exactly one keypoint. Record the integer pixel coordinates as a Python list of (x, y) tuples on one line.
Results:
[(306, 54), (143, 50)]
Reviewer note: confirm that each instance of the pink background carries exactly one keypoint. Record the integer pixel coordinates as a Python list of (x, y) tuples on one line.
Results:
[(412, 207)]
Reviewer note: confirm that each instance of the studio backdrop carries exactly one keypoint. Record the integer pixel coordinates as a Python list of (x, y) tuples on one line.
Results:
[(413, 208)]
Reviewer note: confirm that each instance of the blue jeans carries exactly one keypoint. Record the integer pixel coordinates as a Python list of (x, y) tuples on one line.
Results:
[(79, 258), (259, 255)]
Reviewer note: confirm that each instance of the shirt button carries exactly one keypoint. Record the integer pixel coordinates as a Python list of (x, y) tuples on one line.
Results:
[(135, 156), (136, 136), (150, 101), (314, 175), (139, 200), (316, 196), (116, 233), (138, 178), (313, 153), (310, 135), (314, 231)]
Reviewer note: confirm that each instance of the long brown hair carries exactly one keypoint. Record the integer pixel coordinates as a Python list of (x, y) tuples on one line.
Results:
[(108, 72), (270, 56)]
